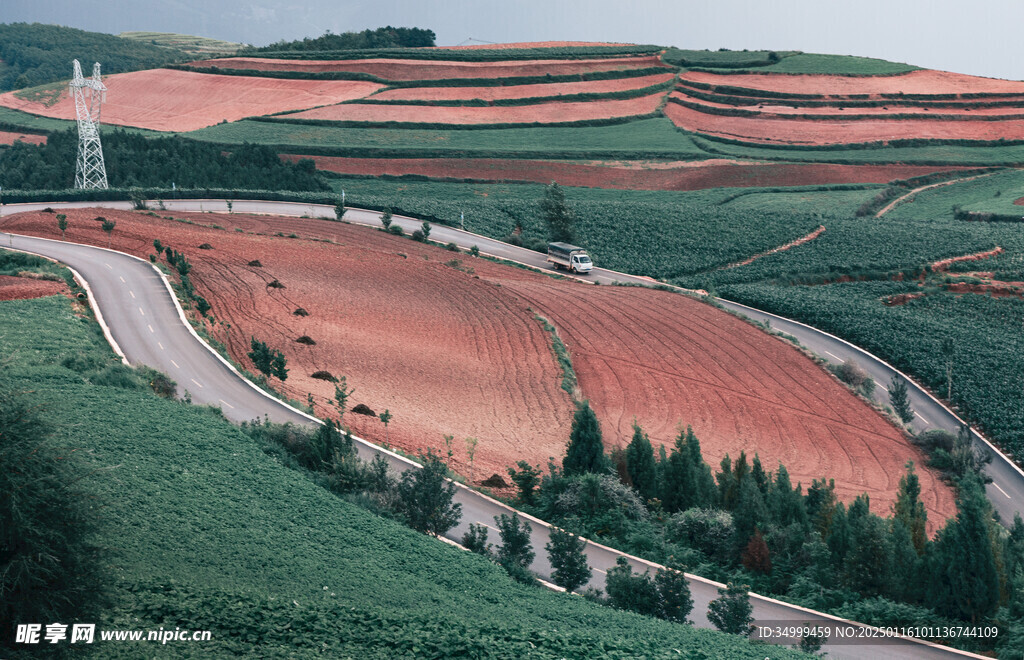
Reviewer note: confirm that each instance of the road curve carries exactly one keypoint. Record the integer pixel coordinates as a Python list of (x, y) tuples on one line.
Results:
[(145, 321)]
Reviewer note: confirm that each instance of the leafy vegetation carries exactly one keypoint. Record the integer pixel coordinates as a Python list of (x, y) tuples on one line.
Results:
[(469, 54), (842, 65), (309, 572), (186, 43), (35, 54)]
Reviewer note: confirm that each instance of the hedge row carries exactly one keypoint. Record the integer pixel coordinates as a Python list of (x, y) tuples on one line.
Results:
[(798, 189), (614, 74), (740, 112), (851, 101), (746, 91), (761, 72), (532, 100), (283, 119), (878, 144), (983, 216), (469, 54)]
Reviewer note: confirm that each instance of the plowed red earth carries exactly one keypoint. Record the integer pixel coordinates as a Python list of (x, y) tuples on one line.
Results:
[(542, 113), (170, 100), (520, 91), (21, 288), (7, 137), (924, 81), (776, 130), (449, 353), (682, 176), (438, 69), (769, 107)]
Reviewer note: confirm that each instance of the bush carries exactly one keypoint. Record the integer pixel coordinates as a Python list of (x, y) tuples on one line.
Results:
[(323, 375), (304, 339), (425, 497), (255, 263), (475, 540), (731, 611), (627, 591), (708, 530), (300, 312), (396, 230), (119, 375), (418, 235)]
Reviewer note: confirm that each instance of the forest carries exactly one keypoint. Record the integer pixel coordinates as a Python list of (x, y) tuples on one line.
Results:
[(383, 37), (35, 54)]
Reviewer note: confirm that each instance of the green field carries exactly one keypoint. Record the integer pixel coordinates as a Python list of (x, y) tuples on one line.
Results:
[(656, 233), (186, 43), (846, 65), (994, 194), (207, 531)]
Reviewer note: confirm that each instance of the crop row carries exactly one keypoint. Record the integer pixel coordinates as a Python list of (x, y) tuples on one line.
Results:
[(468, 54)]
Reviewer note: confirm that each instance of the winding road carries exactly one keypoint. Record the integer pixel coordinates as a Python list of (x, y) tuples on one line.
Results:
[(145, 325)]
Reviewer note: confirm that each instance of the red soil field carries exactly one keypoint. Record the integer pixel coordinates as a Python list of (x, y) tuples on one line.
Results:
[(21, 288), (443, 351), (7, 137), (170, 100), (815, 132), (520, 91), (697, 175), (924, 81), (540, 113), (666, 360), (439, 70), (449, 353)]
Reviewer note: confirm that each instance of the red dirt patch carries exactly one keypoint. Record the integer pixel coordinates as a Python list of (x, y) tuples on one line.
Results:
[(449, 353), (170, 100), (924, 81), (977, 256), (901, 299), (8, 137), (23, 288), (521, 91), (778, 130), (1019, 201), (542, 113), (782, 248), (624, 175), (439, 70)]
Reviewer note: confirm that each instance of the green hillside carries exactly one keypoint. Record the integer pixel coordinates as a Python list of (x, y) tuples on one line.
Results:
[(207, 531), (35, 54)]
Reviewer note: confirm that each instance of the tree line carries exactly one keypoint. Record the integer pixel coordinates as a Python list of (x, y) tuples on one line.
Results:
[(35, 54), (134, 160), (382, 37)]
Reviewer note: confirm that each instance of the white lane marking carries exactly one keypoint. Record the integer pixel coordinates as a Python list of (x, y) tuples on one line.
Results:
[(1001, 490), (599, 570), (132, 293), (834, 355), (141, 312), (226, 403), (175, 364), (150, 328), (922, 418), (120, 277), (882, 386), (195, 381), (108, 266), (160, 345), (480, 522)]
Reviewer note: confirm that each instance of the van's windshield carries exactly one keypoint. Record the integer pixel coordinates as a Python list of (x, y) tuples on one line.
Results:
[(583, 260)]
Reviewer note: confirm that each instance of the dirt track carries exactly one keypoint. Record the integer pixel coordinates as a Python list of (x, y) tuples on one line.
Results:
[(452, 347)]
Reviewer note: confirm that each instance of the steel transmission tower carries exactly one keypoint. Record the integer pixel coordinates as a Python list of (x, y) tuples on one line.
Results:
[(90, 172)]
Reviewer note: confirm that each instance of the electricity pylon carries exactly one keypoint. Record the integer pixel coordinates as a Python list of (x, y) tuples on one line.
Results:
[(90, 172)]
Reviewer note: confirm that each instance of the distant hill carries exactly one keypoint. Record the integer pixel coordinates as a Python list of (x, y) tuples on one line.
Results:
[(383, 37), (35, 54), (195, 46)]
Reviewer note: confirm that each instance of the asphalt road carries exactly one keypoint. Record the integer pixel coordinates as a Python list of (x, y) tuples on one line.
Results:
[(146, 324)]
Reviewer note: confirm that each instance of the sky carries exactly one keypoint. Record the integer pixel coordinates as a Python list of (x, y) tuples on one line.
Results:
[(980, 37)]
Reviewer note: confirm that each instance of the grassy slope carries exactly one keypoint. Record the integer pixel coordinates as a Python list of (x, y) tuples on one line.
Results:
[(212, 533)]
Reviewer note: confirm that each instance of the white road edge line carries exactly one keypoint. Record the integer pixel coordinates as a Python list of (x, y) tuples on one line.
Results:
[(834, 355), (882, 386), (411, 463), (1001, 490), (226, 403)]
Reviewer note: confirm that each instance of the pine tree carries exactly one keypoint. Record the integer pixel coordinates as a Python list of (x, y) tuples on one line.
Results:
[(515, 549), (785, 503), (526, 479), (727, 486), (731, 611), (704, 491), (909, 508), (821, 504), (749, 514), (426, 497), (840, 538), (756, 556), (869, 563), (964, 563), (62, 224), (585, 452), (640, 464), (761, 478), (675, 602), (557, 215), (568, 561), (900, 400)]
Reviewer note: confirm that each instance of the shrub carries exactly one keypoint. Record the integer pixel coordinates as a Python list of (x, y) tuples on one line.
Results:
[(731, 611), (255, 263), (323, 375), (475, 540), (300, 312), (425, 497), (119, 375), (418, 235), (707, 530), (396, 230), (515, 541), (205, 246), (452, 247), (275, 284), (627, 591), (304, 339)]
